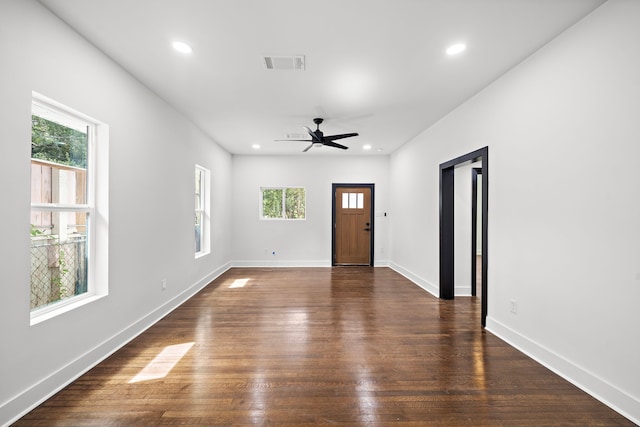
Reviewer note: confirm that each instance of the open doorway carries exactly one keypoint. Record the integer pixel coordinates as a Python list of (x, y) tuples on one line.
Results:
[(447, 224)]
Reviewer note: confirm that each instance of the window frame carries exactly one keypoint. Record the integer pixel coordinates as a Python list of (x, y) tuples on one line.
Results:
[(204, 210), (96, 181), (284, 197)]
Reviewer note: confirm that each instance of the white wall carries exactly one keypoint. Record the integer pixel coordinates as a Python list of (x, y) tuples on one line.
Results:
[(563, 130), (308, 242), (153, 150)]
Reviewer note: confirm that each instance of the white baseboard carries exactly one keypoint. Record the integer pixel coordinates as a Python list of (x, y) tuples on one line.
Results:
[(462, 291), (424, 284), (22, 403), (621, 402), (280, 263), (292, 263)]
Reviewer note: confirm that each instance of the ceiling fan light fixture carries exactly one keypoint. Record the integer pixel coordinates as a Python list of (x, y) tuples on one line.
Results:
[(319, 139)]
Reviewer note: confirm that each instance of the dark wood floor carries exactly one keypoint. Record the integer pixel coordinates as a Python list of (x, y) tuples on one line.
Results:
[(344, 346)]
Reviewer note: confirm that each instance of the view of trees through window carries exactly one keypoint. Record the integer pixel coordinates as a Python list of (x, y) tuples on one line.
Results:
[(59, 212), (283, 203), (56, 143)]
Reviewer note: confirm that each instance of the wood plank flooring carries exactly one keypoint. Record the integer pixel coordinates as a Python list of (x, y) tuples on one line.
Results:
[(348, 346)]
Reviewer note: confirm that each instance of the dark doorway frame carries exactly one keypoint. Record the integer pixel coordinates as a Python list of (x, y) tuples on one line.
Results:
[(334, 187), (447, 223)]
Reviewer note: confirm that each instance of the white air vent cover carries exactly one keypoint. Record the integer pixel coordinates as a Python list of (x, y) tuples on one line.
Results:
[(295, 62), (297, 136)]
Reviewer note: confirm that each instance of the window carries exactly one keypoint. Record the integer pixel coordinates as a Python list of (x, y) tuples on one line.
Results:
[(63, 207), (352, 200), (202, 220), (283, 203)]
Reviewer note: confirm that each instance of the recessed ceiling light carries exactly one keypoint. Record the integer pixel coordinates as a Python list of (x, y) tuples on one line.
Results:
[(456, 49), (256, 146), (182, 47), (366, 147)]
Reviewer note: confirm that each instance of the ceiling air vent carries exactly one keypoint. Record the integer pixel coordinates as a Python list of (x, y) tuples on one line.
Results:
[(296, 136), (295, 62)]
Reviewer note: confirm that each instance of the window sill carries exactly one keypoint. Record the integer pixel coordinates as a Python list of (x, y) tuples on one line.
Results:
[(44, 314)]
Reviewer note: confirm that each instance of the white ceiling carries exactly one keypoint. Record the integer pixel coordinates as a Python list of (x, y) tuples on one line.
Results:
[(376, 67)]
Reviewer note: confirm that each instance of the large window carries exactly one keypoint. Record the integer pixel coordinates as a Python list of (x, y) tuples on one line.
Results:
[(202, 207), (282, 203), (63, 185)]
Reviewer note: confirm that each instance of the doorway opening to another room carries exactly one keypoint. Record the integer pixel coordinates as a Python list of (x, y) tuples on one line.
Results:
[(447, 225)]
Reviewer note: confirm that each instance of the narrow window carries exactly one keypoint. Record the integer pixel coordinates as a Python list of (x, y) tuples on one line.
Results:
[(282, 203), (63, 212), (202, 207)]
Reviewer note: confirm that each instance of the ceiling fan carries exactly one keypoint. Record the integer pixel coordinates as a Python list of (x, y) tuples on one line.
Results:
[(318, 139)]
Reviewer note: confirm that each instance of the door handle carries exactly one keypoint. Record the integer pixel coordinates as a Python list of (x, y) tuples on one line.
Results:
[(367, 229)]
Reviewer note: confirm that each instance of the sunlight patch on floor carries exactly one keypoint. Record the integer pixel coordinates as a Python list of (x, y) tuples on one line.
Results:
[(238, 283), (163, 363)]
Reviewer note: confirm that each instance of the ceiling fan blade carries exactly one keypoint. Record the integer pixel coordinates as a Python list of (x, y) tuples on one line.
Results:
[(283, 140), (334, 144), (344, 135), (307, 149), (312, 133)]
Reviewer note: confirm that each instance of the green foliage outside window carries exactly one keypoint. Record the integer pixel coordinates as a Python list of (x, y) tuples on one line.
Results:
[(56, 143), (287, 203), (294, 203), (272, 203)]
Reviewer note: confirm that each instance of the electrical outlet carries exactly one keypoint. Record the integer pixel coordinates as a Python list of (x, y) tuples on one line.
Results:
[(514, 306), (163, 284)]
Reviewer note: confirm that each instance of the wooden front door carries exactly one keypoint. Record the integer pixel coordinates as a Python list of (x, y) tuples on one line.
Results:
[(353, 225)]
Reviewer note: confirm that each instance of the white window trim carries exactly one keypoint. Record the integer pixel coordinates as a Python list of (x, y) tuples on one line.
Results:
[(97, 205), (205, 198), (284, 189)]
